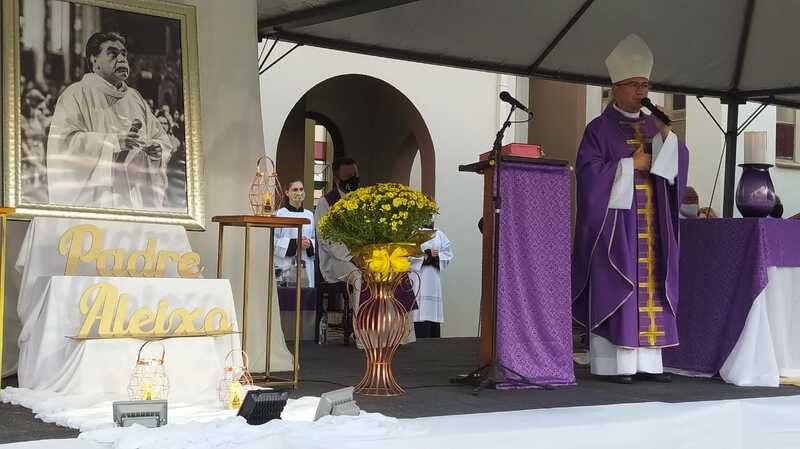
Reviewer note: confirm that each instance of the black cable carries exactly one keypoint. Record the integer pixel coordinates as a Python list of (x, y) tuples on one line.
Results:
[(261, 72), (752, 117), (261, 52), (716, 178), (266, 58), (710, 115), (530, 119)]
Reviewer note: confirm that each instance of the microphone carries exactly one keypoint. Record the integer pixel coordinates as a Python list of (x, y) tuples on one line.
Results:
[(136, 125), (505, 96), (657, 112)]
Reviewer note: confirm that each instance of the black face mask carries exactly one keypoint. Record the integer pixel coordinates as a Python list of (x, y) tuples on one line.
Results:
[(349, 185)]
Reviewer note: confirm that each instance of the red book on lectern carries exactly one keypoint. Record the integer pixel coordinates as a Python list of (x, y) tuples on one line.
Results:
[(518, 150)]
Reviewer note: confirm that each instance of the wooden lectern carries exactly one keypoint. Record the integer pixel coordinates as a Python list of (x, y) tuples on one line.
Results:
[(526, 336)]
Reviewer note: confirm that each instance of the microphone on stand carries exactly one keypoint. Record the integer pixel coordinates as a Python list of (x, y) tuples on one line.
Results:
[(506, 97), (657, 112)]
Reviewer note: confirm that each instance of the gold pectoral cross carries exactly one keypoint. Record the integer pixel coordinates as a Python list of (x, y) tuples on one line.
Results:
[(638, 140)]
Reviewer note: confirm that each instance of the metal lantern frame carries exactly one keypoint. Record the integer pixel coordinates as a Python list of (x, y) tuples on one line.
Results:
[(266, 192), (236, 380), (149, 380)]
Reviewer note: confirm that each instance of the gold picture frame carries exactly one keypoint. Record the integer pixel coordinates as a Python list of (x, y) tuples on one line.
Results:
[(24, 174)]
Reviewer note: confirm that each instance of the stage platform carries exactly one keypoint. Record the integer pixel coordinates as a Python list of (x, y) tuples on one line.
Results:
[(425, 368)]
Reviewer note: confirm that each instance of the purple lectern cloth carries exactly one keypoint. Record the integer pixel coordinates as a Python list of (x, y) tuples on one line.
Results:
[(723, 268), (534, 323)]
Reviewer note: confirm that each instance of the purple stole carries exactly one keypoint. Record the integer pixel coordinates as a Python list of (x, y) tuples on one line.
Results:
[(332, 197), (649, 274)]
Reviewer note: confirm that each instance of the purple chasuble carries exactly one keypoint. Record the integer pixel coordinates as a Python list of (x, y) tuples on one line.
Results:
[(405, 290), (625, 262)]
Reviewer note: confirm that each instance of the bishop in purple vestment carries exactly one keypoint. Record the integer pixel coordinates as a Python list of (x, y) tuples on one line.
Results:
[(631, 173)]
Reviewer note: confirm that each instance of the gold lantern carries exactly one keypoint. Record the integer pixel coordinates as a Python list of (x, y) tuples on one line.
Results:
[(266, 193), (149, 380), (236, 381)]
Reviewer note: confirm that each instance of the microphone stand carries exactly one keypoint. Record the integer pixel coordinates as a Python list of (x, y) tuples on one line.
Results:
[(494, 365)]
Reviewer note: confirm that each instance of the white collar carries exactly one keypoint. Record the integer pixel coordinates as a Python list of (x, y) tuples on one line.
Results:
[(633, 115)]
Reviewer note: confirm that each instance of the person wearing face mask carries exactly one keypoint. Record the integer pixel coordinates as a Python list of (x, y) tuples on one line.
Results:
[(334, 257), (286, 240), (690, 207)]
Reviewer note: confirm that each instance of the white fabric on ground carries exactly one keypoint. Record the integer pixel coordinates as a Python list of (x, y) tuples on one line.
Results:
[(92, 412), (765, 423), (607, 359), (768, 347)]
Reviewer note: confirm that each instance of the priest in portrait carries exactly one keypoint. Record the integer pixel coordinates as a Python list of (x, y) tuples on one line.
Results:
[(631, 174), (105, 147)]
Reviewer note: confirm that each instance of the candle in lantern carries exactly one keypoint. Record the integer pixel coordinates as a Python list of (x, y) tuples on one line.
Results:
[(147, 392), (266, 200), (235, 395)]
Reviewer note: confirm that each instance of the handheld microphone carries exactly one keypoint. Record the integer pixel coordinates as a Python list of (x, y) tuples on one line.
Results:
[(657, 112), (136, 125), (505, 96)]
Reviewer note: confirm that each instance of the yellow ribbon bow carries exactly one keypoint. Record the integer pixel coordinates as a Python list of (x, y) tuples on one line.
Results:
[(382, 262)]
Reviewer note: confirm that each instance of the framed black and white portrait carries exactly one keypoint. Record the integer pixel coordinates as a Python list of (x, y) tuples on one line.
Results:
[(101, 110)]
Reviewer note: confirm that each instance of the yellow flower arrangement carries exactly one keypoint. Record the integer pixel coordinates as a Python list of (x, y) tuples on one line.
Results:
[(380, 214)]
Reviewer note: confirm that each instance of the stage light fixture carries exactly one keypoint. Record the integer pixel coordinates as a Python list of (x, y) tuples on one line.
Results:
[(337, 402), (260, 406), (145, 413)]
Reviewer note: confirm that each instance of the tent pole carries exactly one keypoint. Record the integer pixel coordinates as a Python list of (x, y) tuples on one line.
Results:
[(730, 153)]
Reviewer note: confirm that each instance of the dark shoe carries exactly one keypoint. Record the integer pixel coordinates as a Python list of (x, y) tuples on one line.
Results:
[(625, 380), (661, 377)]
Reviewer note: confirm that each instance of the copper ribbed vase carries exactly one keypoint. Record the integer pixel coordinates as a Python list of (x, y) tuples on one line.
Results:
[(380, 325)]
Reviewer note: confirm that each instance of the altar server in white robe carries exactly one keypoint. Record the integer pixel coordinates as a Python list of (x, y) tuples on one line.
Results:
[(105, 147), (286, 242), (430, 298)]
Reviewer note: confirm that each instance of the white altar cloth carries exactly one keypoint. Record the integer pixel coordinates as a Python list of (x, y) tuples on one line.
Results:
[(767, 351), (50, 361)]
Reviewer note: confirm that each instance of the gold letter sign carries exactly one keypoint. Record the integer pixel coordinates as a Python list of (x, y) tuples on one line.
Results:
[(84, 244), (104, 304)]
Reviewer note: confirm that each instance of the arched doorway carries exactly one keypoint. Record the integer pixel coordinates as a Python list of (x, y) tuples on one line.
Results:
[(361, 117)]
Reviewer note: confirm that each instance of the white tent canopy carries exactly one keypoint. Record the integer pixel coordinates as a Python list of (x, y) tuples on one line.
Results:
[(734, 49)]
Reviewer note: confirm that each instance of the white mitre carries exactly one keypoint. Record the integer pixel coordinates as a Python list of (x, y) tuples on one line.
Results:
[(631, 58)]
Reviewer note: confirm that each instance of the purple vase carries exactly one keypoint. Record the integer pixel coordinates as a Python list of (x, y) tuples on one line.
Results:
[(755, 195)]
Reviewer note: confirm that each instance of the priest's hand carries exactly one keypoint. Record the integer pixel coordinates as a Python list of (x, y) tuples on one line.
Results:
[(306, 243), (641, 160), (129, 141), (434, 252), (662, 128), (153, 151)]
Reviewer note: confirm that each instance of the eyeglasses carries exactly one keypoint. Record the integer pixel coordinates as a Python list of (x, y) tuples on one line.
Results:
[(636, 85)]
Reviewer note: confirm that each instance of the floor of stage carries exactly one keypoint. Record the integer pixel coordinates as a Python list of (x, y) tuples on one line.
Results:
[(424, 368)]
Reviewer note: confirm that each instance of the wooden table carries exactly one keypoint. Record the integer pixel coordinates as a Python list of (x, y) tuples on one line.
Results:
[(269, 222), (4, 213)]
